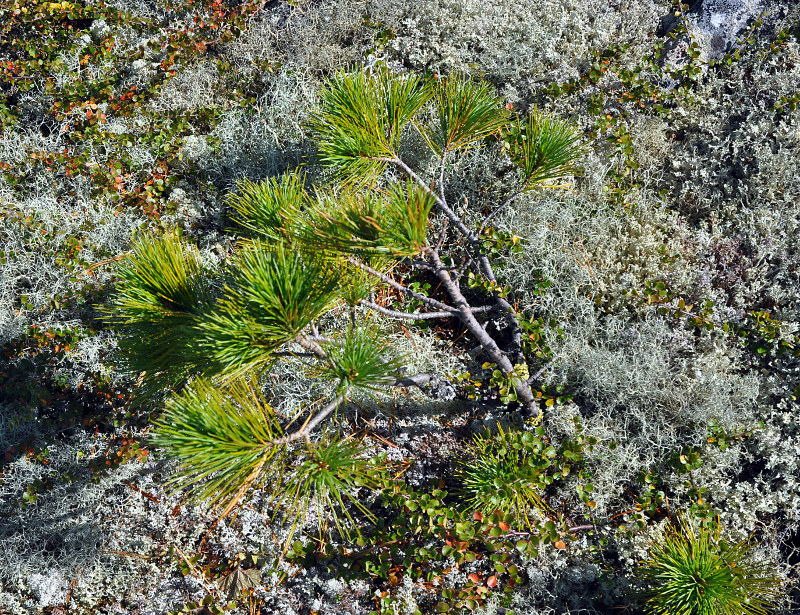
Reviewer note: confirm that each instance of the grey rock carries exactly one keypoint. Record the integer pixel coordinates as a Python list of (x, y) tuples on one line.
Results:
[(716, 26), (720, 22)]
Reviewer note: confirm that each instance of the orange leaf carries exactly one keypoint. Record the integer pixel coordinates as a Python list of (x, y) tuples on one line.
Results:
[(474, 578), (491, 581), (559, 544)]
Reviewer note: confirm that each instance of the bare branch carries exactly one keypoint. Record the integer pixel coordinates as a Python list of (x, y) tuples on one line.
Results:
[(440, 203), (498, 209), (310, 424), (442, 236), (407, 315), (474, 241), (471, 236), (320, 338), (463, 268), (441, 175), (423, 315), (397, 286), (542, 370), (430, 384), (416, 262), (417, 380), (311, 345), (522, 389)]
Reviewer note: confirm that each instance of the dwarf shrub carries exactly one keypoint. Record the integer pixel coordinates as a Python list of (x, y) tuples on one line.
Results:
[(306, 251)]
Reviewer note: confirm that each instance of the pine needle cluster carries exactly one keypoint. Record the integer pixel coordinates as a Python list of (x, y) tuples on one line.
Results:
[(506, 471), (692, 571)]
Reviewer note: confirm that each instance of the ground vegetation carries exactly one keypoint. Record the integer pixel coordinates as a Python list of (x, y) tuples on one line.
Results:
[(655, 294)]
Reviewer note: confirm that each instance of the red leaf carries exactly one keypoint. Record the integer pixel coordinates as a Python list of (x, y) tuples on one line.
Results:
[(491, 581)]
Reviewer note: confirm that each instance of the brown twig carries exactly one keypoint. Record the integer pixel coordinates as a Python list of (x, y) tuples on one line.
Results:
[(91, 268), (149, 496)]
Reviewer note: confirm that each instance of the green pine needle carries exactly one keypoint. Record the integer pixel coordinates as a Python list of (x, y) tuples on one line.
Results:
[(360, 283), (161, 295), (359, 362), (329, 473), (274, 294), (269, 209), (370, 225), (505, 472), (467, 112), (222, 438), (544, 147), (407, 210), (692, 572), (346, 221), (162, 274), (361, 119)]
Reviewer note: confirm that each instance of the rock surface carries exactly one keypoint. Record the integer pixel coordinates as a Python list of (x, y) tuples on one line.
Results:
[(716, 26), (720, 22)]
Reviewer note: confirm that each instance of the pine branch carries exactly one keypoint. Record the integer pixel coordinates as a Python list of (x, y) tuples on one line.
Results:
[(311, 345), (397, 286), (468, 112), (440, 203), (474, 241), (314, 420), (471, 236), (497, 356), (306, 256), (423, 315)]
